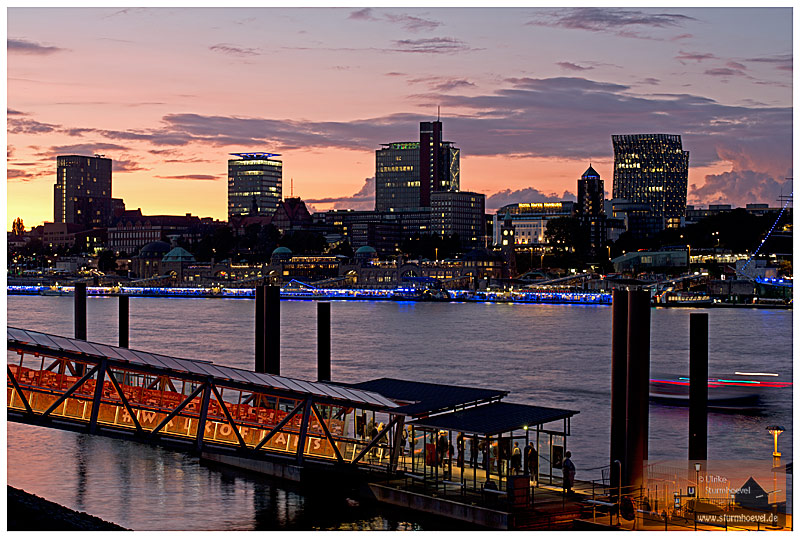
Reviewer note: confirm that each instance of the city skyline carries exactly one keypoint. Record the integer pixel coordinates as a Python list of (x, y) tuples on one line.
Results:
[(168, 93)]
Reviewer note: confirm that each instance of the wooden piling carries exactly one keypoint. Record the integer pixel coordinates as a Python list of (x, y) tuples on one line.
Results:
[(259, 330), (124, 324), (698, 386), (619, 375), (323, 341), (272, 320), (638, 399)]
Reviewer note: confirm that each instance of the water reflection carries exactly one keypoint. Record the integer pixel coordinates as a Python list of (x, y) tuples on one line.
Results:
[(548, 355)]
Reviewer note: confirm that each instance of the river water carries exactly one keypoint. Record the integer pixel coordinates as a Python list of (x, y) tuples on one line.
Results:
[(550, 355)]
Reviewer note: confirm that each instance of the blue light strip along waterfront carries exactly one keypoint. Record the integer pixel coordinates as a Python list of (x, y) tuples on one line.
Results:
[(532, 297)]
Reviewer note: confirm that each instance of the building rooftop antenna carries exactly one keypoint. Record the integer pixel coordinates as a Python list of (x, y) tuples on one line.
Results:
[(438, 112), (291, 187)]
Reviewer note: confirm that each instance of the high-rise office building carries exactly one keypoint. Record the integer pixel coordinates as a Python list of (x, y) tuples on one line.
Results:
[(590, 211), (652, 169), (459, 213), (406, 173), (254, 184), (82, 193), (397, 176)]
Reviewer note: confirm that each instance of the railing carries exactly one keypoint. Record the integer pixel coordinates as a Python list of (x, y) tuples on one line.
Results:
[(179, 409)]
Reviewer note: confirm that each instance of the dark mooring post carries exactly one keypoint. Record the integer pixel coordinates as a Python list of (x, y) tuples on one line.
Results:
[(124, 326), (323, 341), (698, 386), (260, 358), (80, 311), (638, 400), (272, 320), (80, 319), (619, 376)]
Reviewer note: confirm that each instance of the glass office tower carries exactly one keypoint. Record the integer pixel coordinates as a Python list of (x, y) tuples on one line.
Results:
[(254, 184), (652, 169)]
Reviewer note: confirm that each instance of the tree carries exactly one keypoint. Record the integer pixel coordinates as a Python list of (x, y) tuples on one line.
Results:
[(343, 248), (106, 261), (18, 228), (563, 234), (303, 242)]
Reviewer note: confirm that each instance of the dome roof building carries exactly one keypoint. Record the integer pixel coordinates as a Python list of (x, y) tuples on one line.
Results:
[(178, 254), (281, 254), (155, 250), (365, 254)]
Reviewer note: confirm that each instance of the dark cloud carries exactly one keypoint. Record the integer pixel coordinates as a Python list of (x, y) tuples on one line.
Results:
[(565, 84), (621, 22), (572, 67), (12, 112), (527, 195), (20, 175), (741, 187), (125, 165), (413, 24), (433, 45), (363, 200), (394, 74), (362, 15), (651, 81), (200, 177), (21, 46), (442, 84), (284, 135), (233, 50), (780, 61), (698, 57), (725, 72), (18, 125), (736, 65), (408, 22), (83, 149)]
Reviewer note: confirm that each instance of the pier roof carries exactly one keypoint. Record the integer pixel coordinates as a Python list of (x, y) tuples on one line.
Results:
[(495, 418), (426, 398), (59, 346)]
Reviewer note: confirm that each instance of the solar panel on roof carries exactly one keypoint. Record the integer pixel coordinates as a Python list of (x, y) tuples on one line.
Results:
[(64, 344), (18, 335), (236, 375), (43, 340), (129, 355), (169, 362), (146, 358), (309, 387), (109, 352), (87, 348), (335, 392)]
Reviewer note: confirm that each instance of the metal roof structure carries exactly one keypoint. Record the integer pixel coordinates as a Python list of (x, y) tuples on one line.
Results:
[(427, 398), (59, 346), (495, 418)]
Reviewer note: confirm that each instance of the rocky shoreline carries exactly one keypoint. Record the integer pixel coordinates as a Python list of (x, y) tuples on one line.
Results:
[(27, 512)]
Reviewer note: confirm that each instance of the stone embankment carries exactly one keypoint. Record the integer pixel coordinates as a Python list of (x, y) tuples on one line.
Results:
[(27, 512)]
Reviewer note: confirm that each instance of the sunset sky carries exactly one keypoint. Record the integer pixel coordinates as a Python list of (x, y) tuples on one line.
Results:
[(530, 95)]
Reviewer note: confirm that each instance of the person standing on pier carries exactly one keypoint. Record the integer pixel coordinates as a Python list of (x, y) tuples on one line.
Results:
[(532, 462), (473, 452), (460, 444), (516, 459), (568, 468)]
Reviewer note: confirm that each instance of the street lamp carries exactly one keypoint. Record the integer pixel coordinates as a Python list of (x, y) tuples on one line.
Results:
[(697, 466), (775, 431)]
